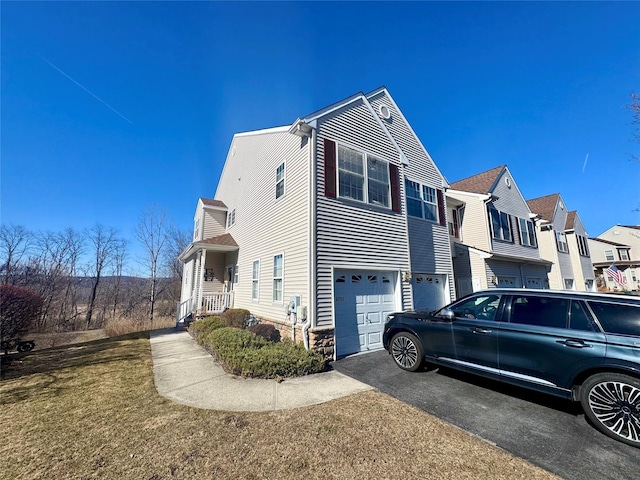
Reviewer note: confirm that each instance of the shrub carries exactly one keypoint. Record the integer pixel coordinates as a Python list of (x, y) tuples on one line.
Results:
[(266, 331), (201, 328), (236, 317), (19, 306), (245, 353)]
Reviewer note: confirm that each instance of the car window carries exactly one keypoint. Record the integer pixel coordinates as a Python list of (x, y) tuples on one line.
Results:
[(624, 319), (542, 311), (483, 307), (579, 318)]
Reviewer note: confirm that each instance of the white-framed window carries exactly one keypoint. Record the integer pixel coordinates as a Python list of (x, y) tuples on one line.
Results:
[(608, 255), (624, 254), (364, 181), (422, 201), (231, 218), (568, 284), (634, 278), (255, 281), (196, 229), (583, 246), (454, 225), (278, 277), (280, 181), (500, 225), (561, 242), (527, 233)]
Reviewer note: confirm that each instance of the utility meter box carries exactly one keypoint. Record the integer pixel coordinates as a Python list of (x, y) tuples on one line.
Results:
[(294, 303)]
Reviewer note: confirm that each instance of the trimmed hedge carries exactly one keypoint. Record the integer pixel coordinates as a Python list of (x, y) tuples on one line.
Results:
[(266, 331), (236, 317), (247, 354), (201, 328)]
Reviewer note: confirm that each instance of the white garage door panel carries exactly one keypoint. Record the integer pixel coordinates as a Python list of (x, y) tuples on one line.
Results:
[(362, 302), (428, 291)]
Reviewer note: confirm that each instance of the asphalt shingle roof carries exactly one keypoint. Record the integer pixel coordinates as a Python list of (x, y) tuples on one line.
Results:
[(544, 206), (479, 183)]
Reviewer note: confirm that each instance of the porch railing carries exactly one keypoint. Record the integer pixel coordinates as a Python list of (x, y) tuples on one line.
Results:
[(216, 302), (184, 309)]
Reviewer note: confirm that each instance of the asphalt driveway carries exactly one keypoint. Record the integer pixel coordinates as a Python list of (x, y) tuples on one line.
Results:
[(547, 431)]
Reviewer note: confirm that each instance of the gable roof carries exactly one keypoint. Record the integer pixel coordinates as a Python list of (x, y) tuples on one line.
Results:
[(365, 98), (225, 239), (480, 183), (210, 202), (608, 242), (571, 220), (544, 206)]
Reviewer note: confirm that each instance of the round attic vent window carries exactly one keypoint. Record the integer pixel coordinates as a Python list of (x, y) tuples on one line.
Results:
[(507, 181), (384, 111)]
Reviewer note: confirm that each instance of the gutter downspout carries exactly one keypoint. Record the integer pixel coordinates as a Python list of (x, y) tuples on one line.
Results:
[(311, 311)]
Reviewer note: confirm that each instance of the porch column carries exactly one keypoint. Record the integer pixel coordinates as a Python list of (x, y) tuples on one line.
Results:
[(203, 259)]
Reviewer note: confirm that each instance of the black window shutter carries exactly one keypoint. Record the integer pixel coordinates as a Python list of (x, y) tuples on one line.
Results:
[(394, 175), (329, 168), (442, 208)]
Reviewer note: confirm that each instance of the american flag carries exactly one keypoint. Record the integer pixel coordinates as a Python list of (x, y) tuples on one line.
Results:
[(616, 274)]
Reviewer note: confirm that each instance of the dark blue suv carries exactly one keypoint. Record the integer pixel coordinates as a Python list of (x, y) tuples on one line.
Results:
[(581, 346)]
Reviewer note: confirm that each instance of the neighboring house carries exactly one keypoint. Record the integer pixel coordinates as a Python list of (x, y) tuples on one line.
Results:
[(618, 246), (493, 234), (324, 227), (563, 241)]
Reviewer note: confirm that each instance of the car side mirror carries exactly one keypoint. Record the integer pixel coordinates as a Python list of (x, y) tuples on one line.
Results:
[(448, 315)]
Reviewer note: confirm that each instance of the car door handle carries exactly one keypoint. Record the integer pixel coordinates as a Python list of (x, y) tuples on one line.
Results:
[(574, 343), (481, 330)]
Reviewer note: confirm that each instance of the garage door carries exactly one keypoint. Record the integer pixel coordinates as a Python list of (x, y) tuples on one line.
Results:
[(428, 291), (362, 301)]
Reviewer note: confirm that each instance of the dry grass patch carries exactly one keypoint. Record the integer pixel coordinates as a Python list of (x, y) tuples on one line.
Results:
[(91, 411)]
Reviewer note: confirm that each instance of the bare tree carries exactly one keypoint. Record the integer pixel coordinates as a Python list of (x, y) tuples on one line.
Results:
[(15, 241), (152, 232), (119, 258), (103, 243)]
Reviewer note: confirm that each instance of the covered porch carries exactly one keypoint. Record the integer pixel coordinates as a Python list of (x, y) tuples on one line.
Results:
[(209, 278)]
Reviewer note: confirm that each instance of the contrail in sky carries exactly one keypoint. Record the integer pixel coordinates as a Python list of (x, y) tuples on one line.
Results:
[(584, 165), (88, 91)]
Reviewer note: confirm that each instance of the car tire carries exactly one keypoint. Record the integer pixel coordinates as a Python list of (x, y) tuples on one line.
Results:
[(407, 351), (611, 401)]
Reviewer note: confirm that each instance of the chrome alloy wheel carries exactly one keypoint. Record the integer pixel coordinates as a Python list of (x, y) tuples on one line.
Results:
[(404, 352), (616, 405)]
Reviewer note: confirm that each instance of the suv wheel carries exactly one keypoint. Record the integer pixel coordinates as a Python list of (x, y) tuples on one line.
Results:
[(612, 402), (407, 351)]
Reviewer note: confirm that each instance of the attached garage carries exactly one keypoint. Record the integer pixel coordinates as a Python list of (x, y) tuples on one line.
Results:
[(428, 291), (362, 301)]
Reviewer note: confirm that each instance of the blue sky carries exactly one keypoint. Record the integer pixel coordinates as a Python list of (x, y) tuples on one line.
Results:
[(110, 107)]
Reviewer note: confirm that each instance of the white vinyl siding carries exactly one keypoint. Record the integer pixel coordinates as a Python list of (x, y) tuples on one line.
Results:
[(268, 225), (278, 277)]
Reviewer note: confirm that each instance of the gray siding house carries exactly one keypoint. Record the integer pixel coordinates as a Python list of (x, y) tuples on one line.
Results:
[(563, 241), (493, 235), (324, 227)]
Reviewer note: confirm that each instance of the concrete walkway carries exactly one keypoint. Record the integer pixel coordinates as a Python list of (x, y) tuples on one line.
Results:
[(185, 373)]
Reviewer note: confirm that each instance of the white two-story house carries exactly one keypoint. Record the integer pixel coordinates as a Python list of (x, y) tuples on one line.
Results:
[(324, 227), (563, 241), (618, 246), (493, 234)]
